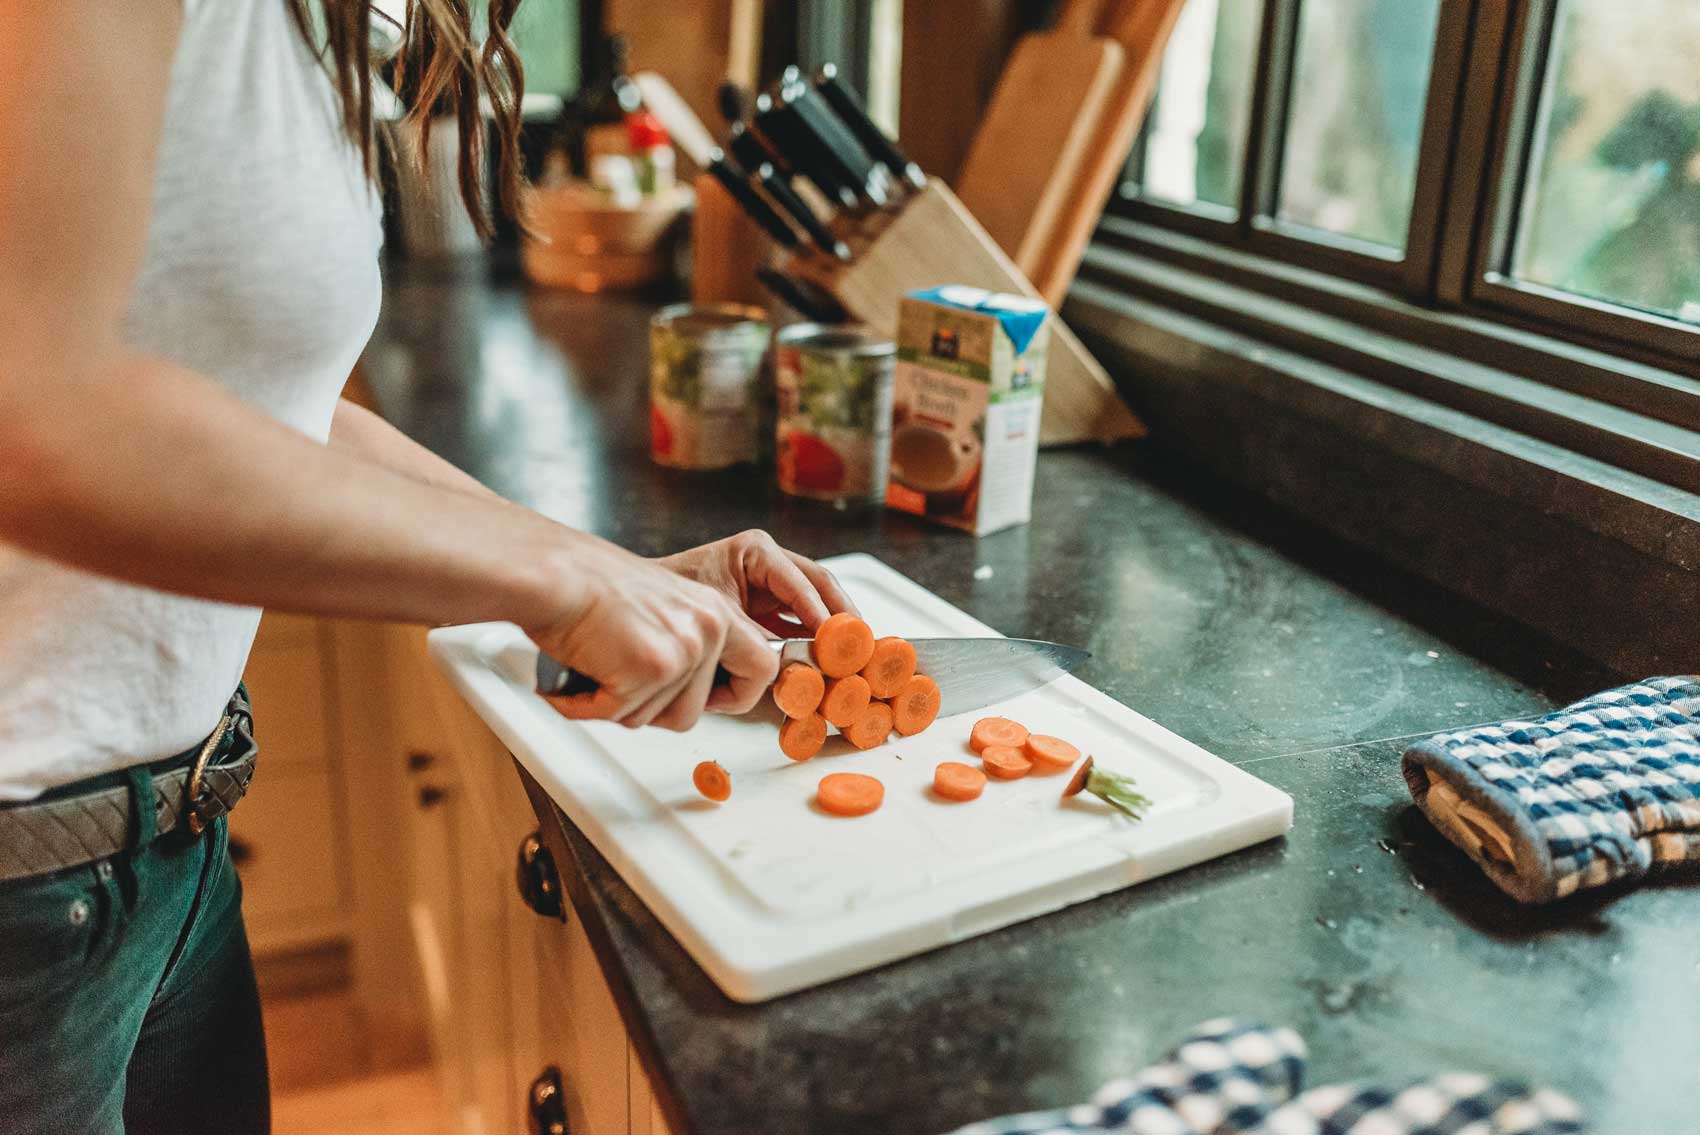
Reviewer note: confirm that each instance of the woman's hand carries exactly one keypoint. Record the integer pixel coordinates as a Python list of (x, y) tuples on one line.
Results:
[(777, 588), (652, 639)]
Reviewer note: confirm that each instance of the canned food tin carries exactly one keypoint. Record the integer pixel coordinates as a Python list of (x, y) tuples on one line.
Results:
[(834, 414), (705, 385)]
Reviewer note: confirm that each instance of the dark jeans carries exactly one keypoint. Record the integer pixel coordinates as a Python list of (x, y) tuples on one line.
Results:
[(127, 997)]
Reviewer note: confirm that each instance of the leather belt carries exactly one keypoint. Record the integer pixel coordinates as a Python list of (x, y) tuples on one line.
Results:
[(72, 831)]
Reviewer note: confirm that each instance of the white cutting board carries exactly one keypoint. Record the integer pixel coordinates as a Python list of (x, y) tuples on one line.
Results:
[(769, 894)]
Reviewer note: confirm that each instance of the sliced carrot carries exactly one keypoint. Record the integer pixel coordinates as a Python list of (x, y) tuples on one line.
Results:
[(849, 793), (802, 737), (872, 727), (1049, 754), (845, 700), (916, 706), (712, 780), (1004, 762), (954, 780), (892, 664), (798, 690), (843, 645), (1077, 782), (997, 731)]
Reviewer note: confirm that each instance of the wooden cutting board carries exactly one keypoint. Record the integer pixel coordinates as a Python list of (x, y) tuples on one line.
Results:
[(1142, 28), (1037, 131)]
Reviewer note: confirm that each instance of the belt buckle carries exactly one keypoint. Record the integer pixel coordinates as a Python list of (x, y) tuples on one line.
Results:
[(192, 792)]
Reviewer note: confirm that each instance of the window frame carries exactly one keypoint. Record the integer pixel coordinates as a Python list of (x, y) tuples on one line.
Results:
[(1478, 134)]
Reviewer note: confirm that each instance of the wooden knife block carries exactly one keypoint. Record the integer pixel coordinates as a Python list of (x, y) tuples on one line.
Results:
[(934, 240)]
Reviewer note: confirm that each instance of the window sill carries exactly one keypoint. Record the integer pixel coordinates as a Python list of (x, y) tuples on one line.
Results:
[(1576, 514)]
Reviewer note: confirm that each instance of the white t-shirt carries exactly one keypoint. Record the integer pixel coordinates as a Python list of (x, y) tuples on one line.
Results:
[(261, 273)]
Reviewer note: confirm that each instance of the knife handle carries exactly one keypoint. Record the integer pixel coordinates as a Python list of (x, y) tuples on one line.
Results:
[(851, 157), (842, 99), (737, 183), (788, 200), (557, 681), (787, 134)]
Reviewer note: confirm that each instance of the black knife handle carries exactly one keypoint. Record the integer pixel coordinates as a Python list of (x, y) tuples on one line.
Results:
[(787, 134), (809, 300), (788, 200), (842, 99), (737, 183), (838, 141), (557, 681)]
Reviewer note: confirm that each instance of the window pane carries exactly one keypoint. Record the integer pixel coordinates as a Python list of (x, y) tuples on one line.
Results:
[(1613, 200), (1355, 116), (1195, 139)]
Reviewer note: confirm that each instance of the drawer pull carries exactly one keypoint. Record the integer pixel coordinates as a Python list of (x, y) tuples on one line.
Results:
[(430, 796), (419, 762), (547, 1109), (539, 883), (241, 851)]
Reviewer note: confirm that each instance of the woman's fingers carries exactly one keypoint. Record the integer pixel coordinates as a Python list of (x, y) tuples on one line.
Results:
[(825, 585), (751, 661)]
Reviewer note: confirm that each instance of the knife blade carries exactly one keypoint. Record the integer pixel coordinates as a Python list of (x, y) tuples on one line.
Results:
[(842, 99), (971, 672)]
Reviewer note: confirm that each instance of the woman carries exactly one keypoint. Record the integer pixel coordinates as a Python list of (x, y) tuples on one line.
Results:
[(188, 270)]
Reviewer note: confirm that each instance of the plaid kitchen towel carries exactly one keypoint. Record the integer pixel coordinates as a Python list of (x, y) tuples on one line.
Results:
[(1240, 1078), (1606, 789)]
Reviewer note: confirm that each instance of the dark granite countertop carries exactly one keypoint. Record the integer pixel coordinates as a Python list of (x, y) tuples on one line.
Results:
[(1251, 634)]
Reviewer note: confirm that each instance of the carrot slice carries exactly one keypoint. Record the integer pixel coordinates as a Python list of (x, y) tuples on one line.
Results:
[(843, 645), (916, 707), (1004, 762), (712, 780), (954, 780), (798, 690), (872, 727), (997, 731), (849, 793), (892, 665), (1049, 754), (845, 700), (802, 737)]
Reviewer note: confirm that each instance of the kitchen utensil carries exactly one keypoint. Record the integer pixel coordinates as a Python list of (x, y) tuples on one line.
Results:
[(843, 100), (770, 895), (797, 209), (1035, 138), (971, 672), (1142, 28), (870, 179), (801, 150), (807, 299)]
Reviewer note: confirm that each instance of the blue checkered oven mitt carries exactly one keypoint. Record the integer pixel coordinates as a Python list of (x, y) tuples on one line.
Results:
[(1240, 1078), (1606, 789)]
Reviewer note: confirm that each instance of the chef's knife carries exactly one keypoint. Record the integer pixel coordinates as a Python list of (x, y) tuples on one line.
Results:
[(842, 99), (970, 672)]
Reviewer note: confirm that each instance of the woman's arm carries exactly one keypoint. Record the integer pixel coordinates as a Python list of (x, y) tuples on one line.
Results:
[(358, 431), (136, 468)]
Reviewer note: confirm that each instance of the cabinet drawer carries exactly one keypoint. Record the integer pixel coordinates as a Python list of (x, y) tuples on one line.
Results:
[(291, 718), (287, 630), (285, 837)]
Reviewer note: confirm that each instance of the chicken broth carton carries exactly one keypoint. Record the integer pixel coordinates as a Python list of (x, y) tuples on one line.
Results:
[(965, 420)]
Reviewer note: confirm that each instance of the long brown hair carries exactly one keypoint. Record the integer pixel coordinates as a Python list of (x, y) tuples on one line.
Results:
[(442, 70)]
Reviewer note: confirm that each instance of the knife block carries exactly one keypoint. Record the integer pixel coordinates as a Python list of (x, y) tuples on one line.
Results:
[(935, 240)]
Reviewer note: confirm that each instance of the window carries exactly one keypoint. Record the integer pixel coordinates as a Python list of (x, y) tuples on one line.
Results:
[(1611, 210), (1535, 163)]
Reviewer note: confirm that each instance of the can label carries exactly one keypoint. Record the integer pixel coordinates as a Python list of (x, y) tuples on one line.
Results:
[(834, 422), (705, 393)]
